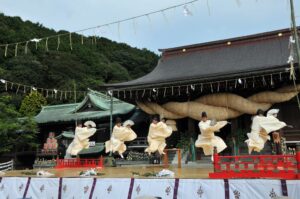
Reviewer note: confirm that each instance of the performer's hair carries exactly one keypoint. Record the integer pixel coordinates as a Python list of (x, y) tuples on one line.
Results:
[(260, 112), (155, 117), (118, 120), (203, 114)]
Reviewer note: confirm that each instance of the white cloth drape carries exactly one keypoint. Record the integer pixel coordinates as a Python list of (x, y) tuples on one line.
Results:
[(258, 189), (46, 188), (13, 187), (77, 188), (163, 188), (204, 188), (208, 140), (112, 188)]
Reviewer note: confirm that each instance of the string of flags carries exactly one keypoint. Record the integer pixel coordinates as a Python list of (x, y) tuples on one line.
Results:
[(48, 93), (213, 86), (36, 41)]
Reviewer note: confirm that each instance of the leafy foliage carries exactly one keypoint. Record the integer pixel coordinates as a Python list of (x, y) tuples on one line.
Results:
[(32, 104), (184, 142), (88, 64), (15, 133)]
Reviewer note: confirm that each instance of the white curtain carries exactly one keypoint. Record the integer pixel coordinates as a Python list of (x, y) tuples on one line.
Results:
[(76, 188), (12, 187), (111, 188), (163, 188), (201, 188), (118, 188), (46, 188)]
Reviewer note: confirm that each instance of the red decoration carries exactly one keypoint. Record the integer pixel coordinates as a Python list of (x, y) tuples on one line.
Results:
[(78, 163), (257, 166)]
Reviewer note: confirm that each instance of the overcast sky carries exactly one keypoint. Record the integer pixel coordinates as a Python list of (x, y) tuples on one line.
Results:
[(220, 20)]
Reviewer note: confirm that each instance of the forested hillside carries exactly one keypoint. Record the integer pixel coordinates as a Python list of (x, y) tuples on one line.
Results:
[(87, 64)]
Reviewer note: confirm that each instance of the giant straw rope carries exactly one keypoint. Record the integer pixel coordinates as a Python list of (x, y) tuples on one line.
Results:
[(221, 106)]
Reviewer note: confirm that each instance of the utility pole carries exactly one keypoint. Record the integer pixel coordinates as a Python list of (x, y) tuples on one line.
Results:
[(111, 115), (295, 34), (295, 31), (74, 83)]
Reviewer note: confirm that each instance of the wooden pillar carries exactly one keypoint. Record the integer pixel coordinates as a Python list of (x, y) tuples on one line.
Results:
[(179, 158), (216, 161), (166, 159)]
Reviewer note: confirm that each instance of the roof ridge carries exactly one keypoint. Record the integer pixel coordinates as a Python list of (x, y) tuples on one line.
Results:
[(259, 36)]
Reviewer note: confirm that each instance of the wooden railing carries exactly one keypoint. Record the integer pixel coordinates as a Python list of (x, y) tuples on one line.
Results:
[(7, 166), (257, 166), (166, 158), (77, 163)]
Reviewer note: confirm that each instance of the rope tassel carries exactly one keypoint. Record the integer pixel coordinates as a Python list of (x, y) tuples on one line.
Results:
[(70, 38), (16, 50), (58, 42), (5, 52)]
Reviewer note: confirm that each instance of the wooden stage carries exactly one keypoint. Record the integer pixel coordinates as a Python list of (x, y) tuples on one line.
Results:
[(191, 181), (190, 171)]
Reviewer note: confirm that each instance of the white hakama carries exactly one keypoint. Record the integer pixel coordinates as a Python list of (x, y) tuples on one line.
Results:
[(81, 140), (157, 137), (207, 139), (260, 129), (119, 135)]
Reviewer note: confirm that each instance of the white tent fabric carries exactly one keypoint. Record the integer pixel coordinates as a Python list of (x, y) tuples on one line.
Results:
[(124, 188)]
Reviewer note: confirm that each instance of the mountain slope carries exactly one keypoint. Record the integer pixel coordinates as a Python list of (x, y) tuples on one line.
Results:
[(88, 64)]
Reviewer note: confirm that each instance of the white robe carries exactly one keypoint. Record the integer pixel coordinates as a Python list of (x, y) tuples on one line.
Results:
[(81, 140), (157, 137), (260, 129), (207, 139), (119, 135)]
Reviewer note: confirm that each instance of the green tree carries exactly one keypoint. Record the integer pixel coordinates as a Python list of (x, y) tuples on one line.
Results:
[(32, 104), (15, 133)]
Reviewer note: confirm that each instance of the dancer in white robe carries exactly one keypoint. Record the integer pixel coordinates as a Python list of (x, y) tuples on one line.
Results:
[(261, 128), (207, 140), (81, 139), (158, 132), (120, 135)]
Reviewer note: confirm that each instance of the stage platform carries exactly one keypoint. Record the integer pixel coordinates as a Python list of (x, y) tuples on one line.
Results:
[(187, 171), (189, 182)]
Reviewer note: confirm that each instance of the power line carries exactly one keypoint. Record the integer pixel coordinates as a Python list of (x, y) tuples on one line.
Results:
[(99, 26)]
